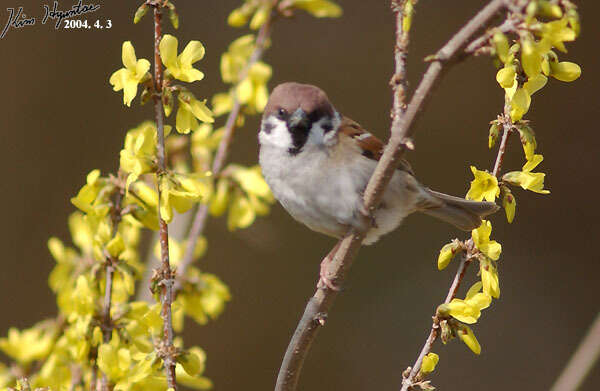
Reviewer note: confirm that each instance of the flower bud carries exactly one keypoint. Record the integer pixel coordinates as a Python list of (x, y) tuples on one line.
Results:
[(565, 71), (494, 134), (139, 14)]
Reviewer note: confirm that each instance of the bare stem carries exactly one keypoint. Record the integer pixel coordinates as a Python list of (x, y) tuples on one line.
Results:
[(201, 216), (165, 278), (319, 305), (107, 324), (582, 361)]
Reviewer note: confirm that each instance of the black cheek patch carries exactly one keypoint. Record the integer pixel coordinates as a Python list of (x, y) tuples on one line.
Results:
[(268, 127)]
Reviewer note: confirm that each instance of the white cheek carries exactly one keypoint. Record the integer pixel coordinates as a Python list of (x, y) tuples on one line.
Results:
[(318, 135), (278, 136)]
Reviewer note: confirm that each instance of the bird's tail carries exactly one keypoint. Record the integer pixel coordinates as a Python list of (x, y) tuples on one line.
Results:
[(461, 213)]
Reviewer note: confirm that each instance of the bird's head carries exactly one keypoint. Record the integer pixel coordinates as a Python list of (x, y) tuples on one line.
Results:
[(298, 115)]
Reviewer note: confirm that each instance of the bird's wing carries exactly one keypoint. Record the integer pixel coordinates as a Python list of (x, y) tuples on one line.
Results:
[(371, 146)]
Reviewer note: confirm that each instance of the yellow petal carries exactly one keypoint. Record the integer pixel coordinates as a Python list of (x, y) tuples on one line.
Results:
[(185, 121), (241, 214), (531, 58), (501, 44), (129, 91), (168, 50), (117, 79), (142, 67), (533, 162), (489, 278), (467, 336), (194, 51), (201, 111), (535, 83), (519, 104), (474, 289), (245, 91), (128, 56)]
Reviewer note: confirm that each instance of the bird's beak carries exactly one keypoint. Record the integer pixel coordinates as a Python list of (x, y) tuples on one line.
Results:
[(298, 120)]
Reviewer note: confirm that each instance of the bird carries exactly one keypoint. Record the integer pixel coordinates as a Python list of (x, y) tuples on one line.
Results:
[(317, 163)]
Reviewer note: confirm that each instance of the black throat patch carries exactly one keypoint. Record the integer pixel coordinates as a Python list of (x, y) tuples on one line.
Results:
[(299, 136)]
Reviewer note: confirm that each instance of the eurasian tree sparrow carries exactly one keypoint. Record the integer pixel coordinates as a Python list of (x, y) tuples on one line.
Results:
[(318, 162)]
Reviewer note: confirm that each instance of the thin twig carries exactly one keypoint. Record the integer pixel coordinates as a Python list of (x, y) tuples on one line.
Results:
[(582, 361), (434, 332), (166, 349), (318, 306), (107, 325), (201, 216)]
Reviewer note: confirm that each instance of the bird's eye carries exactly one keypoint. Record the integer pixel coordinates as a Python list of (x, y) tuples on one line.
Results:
[(282, 113)]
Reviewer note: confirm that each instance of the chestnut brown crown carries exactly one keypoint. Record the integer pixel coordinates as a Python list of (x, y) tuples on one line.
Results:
[(292, 96)]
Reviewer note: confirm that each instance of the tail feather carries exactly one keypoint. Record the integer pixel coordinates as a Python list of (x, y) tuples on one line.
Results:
[(463, 214)]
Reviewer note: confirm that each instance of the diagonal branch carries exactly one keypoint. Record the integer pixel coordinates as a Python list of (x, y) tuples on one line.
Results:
[(318, 306), (201, 216)]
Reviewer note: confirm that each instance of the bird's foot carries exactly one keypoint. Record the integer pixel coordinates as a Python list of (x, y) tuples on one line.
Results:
[(324, 280)]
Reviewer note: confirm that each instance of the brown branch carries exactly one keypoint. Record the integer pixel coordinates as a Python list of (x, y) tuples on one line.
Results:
[(201, 216), (318, 306), (164, 275), (106, 321), (582, 361)]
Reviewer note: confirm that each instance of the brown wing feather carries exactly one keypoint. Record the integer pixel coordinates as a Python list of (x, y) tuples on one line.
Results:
[(372, 147)]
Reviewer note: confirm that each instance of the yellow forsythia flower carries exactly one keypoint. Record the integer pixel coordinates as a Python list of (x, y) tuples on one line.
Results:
[(137, 156), (182, 192), (484, 186), (190, 111), (481, 238), (209, 302), (252, 91), (180, 67), (429, 362), (469, 309), (528, 180), (555, 33), (27, 345), (128, 78)]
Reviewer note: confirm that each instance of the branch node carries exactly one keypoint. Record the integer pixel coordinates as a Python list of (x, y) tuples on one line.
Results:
[(321, 318), (408, 143)]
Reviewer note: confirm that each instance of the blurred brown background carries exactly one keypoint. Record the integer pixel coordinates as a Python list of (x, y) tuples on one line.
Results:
[(61, 119)]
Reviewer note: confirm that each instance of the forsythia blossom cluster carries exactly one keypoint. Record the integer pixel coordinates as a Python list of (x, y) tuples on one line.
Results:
[(122, 342), (527, 57)]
